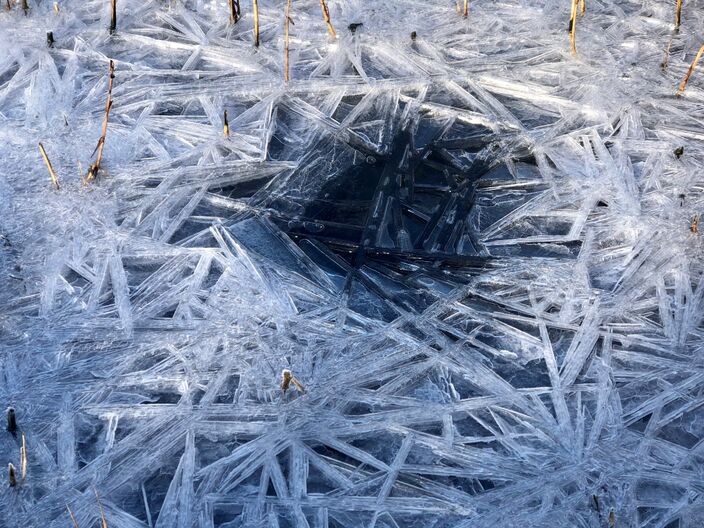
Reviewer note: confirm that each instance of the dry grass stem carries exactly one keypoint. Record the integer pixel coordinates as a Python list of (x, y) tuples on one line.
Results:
[(255, 6), (113, 16), (298, 385), (104, 523), (288, 20), (11, 420), (326, 15), (73, 519), (465, 12), (95, 167), (287, 378), (678, 15), (234, 11), (23, 458), (596, 503), (52, 174), (691, 69), (11, 475), (573, 27)]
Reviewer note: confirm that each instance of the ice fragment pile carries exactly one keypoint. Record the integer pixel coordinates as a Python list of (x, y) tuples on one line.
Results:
[(448, 275)]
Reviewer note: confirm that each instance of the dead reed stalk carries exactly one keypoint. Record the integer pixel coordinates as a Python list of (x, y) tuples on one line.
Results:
[(573, 27), (11, 475), (234, 11), (11, 420), (52, 174), (225, 125), (255, 7), (23, 458), (691, 69), (465, 12), (596, 503), (104, 523), (678, 15), (326, 15), (288, 20), (95, 167), (113, 16), (287, 378), (73, 519)]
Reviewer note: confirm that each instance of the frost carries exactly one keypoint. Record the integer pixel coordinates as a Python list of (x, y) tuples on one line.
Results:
[(476, 256)]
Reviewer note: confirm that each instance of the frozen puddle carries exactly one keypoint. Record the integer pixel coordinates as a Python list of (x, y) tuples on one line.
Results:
[(472, 261)]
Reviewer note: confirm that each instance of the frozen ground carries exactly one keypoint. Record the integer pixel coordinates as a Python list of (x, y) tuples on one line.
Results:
[(472, 249)]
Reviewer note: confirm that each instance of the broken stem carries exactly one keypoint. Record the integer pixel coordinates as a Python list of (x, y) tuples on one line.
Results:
[(23, 458), (692, 66), (583, 6), (678, 15), (288, 20), (255, 7), (95, 167), (225, 125), (11, 475), (298, 385), (234, 11), (287, 378), (11, 420), (596, 503), (113, 16), (573, 27), (466, 9), (52, 174), (326, 15)]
